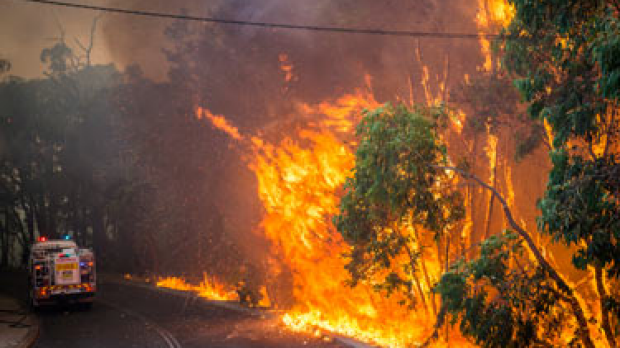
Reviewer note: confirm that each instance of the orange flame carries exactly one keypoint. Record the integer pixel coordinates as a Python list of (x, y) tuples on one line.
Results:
[(219, 122), (209, 288), (286, 67), (298, 183), (492, 14), (299, 180)]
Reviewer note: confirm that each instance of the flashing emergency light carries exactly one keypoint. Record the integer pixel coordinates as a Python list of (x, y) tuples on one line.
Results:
[(42, 239), (66, 237)]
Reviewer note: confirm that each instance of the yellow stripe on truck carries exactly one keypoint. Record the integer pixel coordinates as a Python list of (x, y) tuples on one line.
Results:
[(66, 266)]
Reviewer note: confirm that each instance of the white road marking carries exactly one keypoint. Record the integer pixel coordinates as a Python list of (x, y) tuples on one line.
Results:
[(170, 340)]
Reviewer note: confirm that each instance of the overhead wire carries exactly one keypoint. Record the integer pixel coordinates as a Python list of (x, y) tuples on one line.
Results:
[(286, 26)]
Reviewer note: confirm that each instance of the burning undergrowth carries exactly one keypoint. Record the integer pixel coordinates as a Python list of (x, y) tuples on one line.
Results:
[(209, 288)]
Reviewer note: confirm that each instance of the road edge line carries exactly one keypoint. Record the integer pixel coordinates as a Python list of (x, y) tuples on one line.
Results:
[(33, 333), (185, 294), (170, 340), (347, 341)]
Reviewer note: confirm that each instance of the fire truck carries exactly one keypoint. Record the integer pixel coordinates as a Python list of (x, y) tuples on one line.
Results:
[(61, 272)]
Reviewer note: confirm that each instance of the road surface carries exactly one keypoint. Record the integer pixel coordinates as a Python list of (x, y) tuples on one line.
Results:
[(131, 316)]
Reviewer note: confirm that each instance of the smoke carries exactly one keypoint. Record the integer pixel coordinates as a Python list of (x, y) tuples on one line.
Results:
[(230, 59), (238, 71)]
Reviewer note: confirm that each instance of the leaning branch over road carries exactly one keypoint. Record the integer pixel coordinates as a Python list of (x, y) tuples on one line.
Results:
[(584, 332)]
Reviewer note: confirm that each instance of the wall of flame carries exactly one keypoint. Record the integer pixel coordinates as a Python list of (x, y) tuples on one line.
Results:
[(299, 180)]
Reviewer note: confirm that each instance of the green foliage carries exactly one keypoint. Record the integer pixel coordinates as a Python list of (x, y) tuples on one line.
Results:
[(579, 206), (397, 184), (566, 57), (500, 299), (561, 52)]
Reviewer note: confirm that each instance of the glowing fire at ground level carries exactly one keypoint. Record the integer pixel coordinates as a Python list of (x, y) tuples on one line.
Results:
[(208, 288), (311, 322)]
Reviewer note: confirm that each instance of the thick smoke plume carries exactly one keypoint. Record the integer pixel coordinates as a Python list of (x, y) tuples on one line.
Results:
[(257, 77)]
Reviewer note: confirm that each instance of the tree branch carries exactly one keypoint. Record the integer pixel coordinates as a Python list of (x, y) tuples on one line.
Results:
[(602, 293), (413, 265), (562, 285), (93, 28)]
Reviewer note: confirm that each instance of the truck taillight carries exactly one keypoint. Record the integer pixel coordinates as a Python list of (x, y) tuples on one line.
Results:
[(43, 292), (87, 271), (40, 270), (86, 264)]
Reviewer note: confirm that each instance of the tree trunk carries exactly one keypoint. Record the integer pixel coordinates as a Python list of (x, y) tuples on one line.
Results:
[(97, 224), (602, 294), (487, 231), (472, 207), (412, 264), (51, 216), (30, 227), (418, 287), (30, 224), (583, 329), (446, 265), (426, 277), (4, 237), (22, 236)]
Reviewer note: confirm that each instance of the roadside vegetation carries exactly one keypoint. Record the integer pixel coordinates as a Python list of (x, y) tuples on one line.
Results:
[(562, 57)]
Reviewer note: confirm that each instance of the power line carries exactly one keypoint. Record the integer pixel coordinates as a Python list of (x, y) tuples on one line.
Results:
[(342, 30)]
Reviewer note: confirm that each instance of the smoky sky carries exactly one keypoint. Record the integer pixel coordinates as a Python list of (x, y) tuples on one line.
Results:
[(337, 60), (237, 71)]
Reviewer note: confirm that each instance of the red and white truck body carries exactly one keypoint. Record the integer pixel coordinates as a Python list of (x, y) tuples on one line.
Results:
[(59, 271)]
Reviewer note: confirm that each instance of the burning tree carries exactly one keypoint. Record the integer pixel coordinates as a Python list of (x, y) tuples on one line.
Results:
[(404, 193), (396, 199), (510, 294), (565, 59), (401, 190)]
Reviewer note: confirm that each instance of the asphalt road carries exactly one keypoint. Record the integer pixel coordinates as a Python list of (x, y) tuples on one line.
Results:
[(131, 316)]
